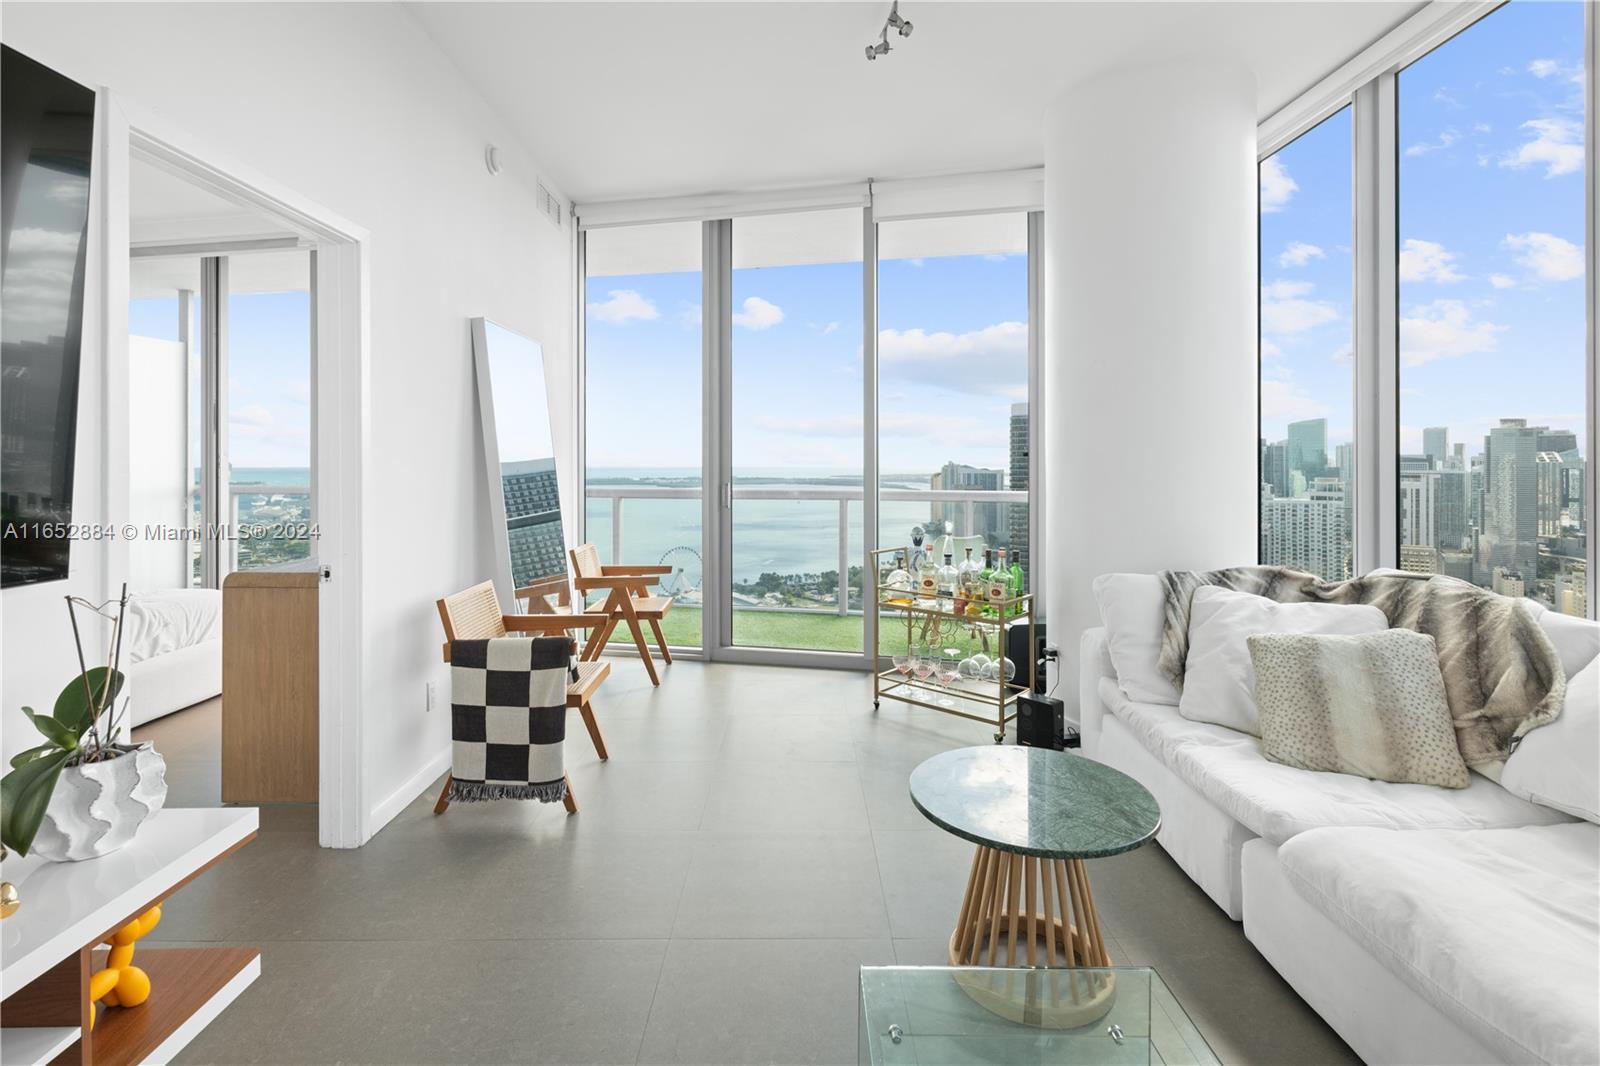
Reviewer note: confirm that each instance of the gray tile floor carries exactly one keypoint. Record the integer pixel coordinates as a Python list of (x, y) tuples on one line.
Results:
[(747, 847)]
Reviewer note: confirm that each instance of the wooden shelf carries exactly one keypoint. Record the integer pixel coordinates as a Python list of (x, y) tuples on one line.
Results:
[(189, 987), (35, 1046)]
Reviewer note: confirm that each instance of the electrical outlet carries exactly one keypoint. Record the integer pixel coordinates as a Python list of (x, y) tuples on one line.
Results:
[(433, 695)]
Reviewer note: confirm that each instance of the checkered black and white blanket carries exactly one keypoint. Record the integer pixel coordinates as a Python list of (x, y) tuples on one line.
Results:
[(508, 718)]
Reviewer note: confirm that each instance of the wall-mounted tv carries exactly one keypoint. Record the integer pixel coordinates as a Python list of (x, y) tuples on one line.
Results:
[(46, 141)]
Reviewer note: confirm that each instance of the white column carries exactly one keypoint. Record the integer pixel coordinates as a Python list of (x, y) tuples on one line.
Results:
[(1150, 358)]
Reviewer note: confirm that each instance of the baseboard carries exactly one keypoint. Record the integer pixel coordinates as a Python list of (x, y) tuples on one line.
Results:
[(401, 798)]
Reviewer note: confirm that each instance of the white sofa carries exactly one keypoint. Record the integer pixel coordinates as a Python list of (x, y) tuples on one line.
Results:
[(1426, 925)]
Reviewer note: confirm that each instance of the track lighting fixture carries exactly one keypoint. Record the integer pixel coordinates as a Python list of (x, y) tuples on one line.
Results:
[(881, 48), (900, 25)]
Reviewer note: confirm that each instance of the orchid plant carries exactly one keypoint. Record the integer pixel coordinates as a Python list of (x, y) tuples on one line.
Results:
[(82, 728)]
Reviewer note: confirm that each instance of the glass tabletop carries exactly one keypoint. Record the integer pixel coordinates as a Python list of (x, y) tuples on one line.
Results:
[(1035, 801), (953, 1016)]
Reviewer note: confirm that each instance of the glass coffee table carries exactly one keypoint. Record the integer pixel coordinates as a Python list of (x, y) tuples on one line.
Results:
[(929, 1015)]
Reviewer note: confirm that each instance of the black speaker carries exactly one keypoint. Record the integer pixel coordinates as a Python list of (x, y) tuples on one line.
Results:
[(1020, 654), (1041, 722)]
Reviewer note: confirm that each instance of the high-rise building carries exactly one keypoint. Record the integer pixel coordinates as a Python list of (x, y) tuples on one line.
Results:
[(1344, 457), (1557, 440), (1308, 447), (1451, 507), (1017, 514), (1308, 532), (1458, 457), (1275, 467), (987, 521), (1436, 445), (1508, 583), (1419, 558), (1414, 464), (1550, 493), (1418, 515), (1511, 514)]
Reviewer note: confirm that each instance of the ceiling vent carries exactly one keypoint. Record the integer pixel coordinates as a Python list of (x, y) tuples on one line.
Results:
[(549, 204)]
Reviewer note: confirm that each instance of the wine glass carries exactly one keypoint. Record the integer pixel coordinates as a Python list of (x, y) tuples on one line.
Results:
[(949, 669), (902, 663), (922, 667)]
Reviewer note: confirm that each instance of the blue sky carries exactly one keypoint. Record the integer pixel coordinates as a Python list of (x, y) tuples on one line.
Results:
[(952, 356), (1491, 231), (269, 372)]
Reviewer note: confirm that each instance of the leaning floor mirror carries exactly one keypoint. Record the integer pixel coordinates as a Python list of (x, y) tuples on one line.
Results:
[(520, 455)]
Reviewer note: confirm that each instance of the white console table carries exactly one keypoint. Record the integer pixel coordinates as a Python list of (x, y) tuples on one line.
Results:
[(49, 947)]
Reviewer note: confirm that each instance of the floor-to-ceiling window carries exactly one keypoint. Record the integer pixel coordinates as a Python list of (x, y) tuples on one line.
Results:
[(642, 413), (796, 459), (953, 383), (1307, 471), (1492, 306)]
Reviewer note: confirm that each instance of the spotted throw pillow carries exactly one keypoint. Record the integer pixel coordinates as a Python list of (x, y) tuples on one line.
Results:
[(1371, 704)]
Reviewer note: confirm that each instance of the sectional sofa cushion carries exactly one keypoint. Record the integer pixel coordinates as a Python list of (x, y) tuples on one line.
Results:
[(1276, 801), (1370, 704), (1555, 765), (1130, 606), (1497, 928), (1219, 680), (1577, 640)]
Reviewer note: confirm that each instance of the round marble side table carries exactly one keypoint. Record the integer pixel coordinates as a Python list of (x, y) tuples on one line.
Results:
[(1035, 816)]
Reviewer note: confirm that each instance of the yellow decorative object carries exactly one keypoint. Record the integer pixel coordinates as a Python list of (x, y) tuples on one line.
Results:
[(122, 984)]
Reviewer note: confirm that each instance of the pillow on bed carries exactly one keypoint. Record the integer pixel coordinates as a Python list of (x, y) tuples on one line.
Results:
[(1371, 705), (1554, 765), (1218, 681)]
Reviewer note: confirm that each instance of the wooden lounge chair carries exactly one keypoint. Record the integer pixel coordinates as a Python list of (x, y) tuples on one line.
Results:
[(474, 614), (627, 600)]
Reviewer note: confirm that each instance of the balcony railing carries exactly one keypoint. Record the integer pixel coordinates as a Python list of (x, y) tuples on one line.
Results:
[(968, 499)]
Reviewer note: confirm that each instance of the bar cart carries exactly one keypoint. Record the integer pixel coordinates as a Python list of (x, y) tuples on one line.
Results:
[(953, 659)]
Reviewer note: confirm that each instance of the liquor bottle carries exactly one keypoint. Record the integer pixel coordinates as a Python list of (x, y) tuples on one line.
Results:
[(967, 572), (898, 582), (987, 571), (1000, 579), (1016, 579), (947, 578), (927, 577)]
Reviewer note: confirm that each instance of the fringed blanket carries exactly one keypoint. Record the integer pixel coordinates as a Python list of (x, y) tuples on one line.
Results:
[(1502, 676), (508, 718)]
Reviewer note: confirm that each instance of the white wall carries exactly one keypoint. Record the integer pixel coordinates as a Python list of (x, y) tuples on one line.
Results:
[(1150, 357), (354, 108)]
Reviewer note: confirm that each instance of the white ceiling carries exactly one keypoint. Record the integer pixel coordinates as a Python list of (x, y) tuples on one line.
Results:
[(623, 100)]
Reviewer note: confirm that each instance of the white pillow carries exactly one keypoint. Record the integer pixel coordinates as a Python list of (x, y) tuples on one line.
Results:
[(1219, 681), (1577, 640), (1131, 608), (1555, 765)]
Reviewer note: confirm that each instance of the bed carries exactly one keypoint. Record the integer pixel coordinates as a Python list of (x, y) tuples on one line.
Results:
[(171, 650)]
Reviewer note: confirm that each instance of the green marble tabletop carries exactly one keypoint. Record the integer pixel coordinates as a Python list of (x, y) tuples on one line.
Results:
[(1035, 801)]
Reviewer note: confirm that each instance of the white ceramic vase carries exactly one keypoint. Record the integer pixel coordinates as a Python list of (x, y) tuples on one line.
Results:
[(98, 807)]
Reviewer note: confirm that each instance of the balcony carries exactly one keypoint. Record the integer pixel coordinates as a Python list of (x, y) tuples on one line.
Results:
[(642, 523)]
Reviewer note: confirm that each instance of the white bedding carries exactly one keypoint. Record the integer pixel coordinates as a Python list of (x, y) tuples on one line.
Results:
[(1497, 928), (166, 620)]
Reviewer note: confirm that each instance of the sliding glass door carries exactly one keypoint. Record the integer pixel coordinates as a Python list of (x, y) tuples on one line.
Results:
[(796, 464)]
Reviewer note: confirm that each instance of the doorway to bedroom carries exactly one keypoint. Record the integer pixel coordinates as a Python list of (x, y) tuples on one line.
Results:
[(221, 463)]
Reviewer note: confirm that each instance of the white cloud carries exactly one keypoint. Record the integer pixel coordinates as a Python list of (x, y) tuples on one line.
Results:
[(831, 327), (1443, 329), (1448, 136), (1557, 146), (299, 389), (758, 314), (800, 426), (1550, 257), (1282, 398), (624, 305), (992, 360), (1276, 184), (253, 414), (1554, 68), (1342, 355), (1482, 127), (1299, 253), (1502, 281), (1270, 350), (1427, 261), (1284, 308)]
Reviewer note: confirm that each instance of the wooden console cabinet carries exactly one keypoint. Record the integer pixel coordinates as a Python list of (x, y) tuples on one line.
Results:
[(269, 686)]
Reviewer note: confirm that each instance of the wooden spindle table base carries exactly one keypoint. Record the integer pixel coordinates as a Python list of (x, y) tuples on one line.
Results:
[(1043, 912)]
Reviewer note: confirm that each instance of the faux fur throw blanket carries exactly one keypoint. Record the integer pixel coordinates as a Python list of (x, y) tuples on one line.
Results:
[(1502, 676)]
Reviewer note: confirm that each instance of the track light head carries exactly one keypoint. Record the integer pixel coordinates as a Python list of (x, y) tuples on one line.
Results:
[(901, 24), (881, 48)]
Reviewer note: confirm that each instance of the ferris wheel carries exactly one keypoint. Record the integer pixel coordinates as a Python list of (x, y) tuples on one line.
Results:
[(685, 574)]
